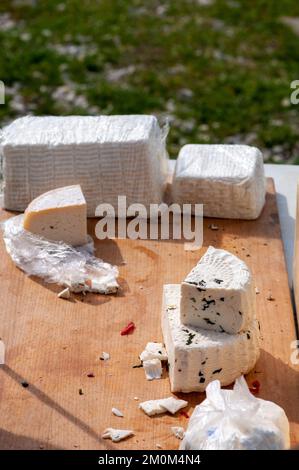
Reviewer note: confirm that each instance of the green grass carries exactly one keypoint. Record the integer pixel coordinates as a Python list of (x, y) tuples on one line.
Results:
[(221, 72)]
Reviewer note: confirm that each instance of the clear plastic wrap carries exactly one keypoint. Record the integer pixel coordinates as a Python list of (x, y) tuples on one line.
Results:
[(57, 262), (236, 420)]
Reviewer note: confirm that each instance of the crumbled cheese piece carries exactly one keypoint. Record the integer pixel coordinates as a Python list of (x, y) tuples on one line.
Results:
[(117, 435), (156, 407), (117, 412), (213, 227), (152, 369), (105, 356), (64, 294), (154, 351), (257, 290), (178, 432), (2, 352)]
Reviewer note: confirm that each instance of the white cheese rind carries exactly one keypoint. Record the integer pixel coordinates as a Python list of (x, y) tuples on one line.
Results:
[(107, 155), (218, 294), (228, 179), (196, 356), (59, 215)]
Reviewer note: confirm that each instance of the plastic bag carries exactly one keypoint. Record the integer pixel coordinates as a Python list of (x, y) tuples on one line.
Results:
[(57, 262), (236, 420)]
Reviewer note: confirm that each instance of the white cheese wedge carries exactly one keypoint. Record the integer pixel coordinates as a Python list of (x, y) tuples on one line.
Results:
[(117, 435), (197, 356), (228, 179), (59, 215), (218, 294), (160, 406), (107, 155), (154, 351), (152, 369)]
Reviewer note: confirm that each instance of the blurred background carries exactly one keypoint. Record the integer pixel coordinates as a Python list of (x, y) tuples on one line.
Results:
[(219, 69)]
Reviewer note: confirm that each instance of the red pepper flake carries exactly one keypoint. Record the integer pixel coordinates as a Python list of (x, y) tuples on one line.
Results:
[(185, 414), (255, 387), (90, 375), (128, 329)]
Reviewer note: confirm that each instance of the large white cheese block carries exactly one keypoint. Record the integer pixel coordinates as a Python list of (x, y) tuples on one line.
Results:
[(59, 215), (228, 179), (107, 155), (196, 356), (218, 294)]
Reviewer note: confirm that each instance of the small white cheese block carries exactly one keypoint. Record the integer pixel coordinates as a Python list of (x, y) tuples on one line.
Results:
[(107, 155), (228, 179), (104, 356), (152, 369), (154, 351), (197, 356), (160, 406), (64, 294), (59, 215), (117, 435), (218, 294)]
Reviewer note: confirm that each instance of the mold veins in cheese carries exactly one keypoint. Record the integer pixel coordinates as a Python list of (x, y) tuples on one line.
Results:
[(59, 215), (228, 179), (218, 294), (107, 155), (197, 356)]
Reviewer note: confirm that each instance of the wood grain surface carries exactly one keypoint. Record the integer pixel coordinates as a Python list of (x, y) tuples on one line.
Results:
[(53, 344)]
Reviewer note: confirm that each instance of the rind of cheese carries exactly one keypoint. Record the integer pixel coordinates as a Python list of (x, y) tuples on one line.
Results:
[(218, 294), (228, 180), (107, 155), (59, 215), (196, 356)]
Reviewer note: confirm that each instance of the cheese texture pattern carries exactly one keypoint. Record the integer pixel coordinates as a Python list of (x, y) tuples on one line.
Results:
[(227, 179), (218, 294), (197, 356), (59, 215), (107, 155)]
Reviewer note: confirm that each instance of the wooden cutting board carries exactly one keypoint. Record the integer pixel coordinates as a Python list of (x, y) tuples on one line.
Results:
[(53, 344)]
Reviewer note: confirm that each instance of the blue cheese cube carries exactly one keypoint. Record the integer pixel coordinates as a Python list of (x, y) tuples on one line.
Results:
[(218, 294), (197, 356)]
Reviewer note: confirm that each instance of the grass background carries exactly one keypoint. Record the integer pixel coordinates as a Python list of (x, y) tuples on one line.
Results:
[(219, 70)]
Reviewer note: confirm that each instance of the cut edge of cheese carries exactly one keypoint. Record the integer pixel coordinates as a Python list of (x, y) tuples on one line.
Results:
[(59, 215), (196, 356)]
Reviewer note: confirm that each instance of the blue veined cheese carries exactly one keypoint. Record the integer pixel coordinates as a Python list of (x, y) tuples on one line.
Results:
[(228, 180), (107, 155), (218, 294), (196, 356)]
